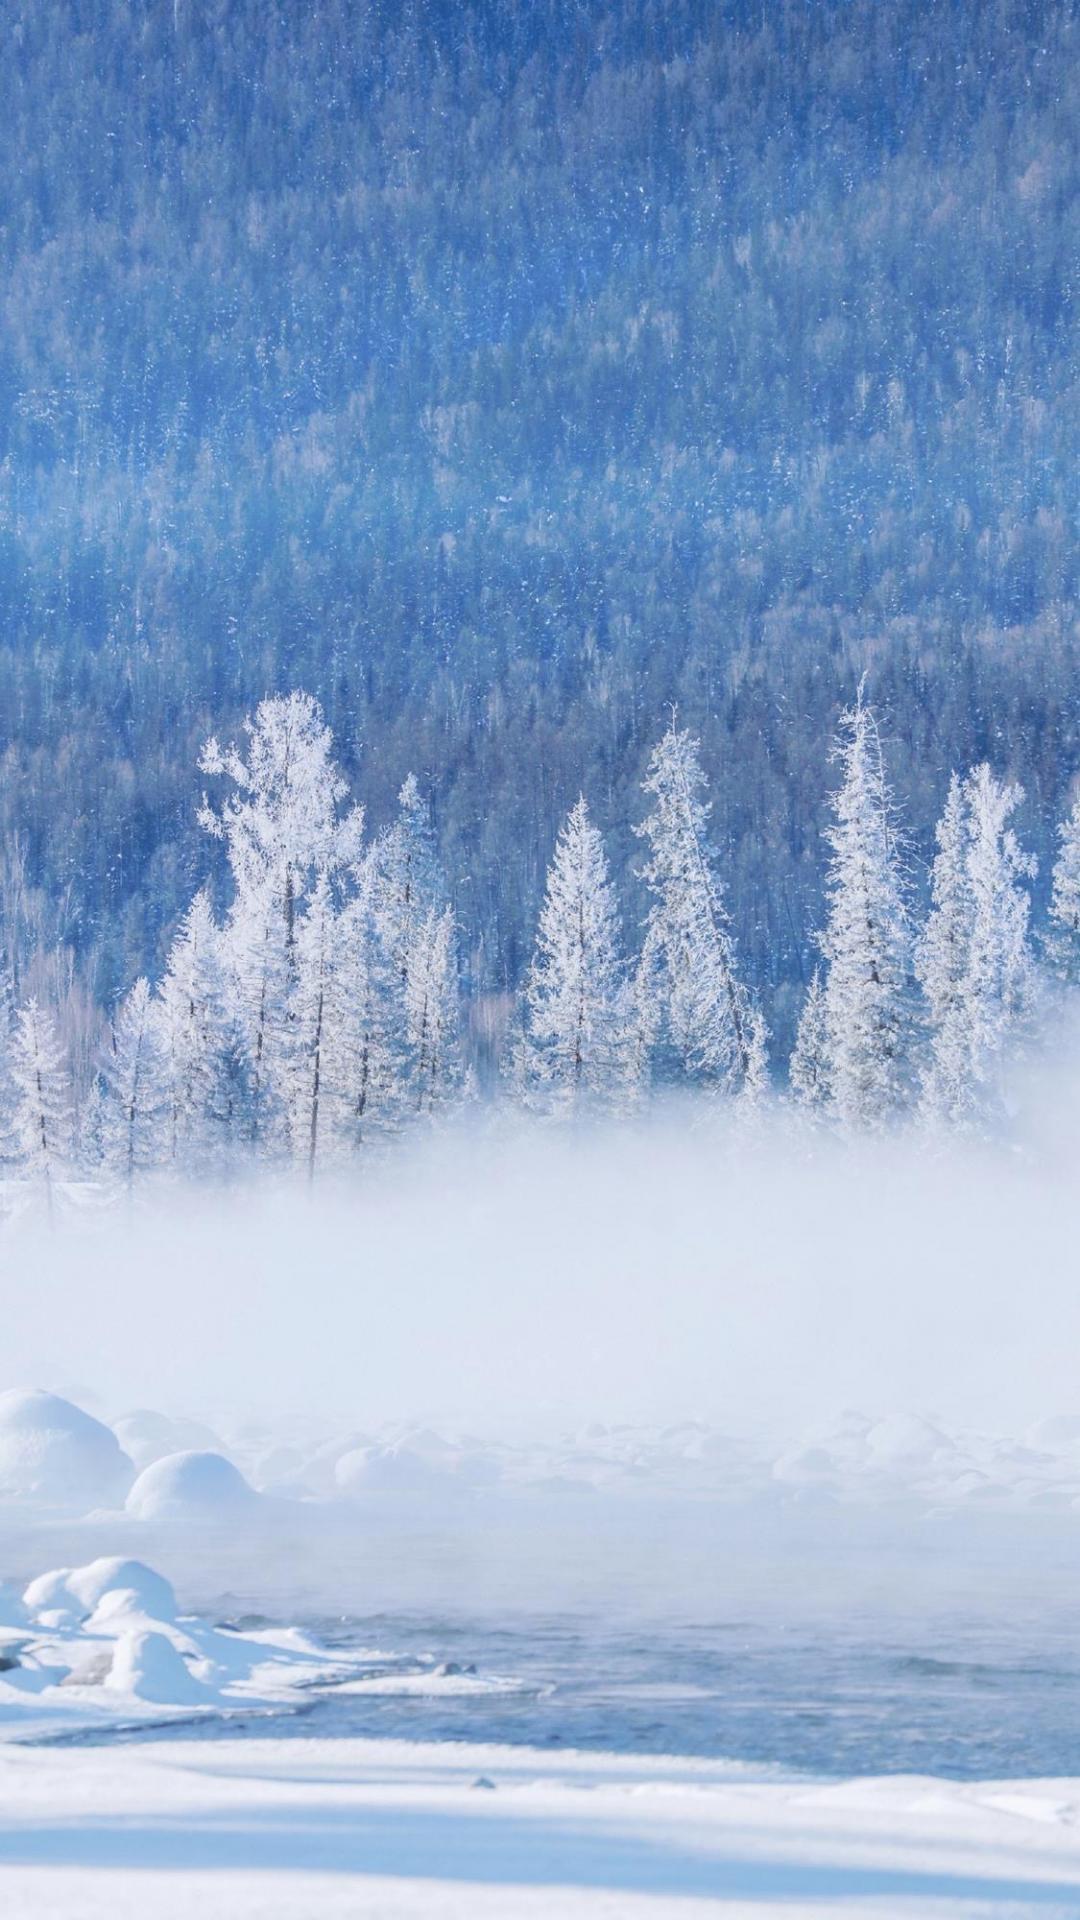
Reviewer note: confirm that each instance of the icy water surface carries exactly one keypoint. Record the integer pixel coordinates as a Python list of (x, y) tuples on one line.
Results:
[(961, 1699)]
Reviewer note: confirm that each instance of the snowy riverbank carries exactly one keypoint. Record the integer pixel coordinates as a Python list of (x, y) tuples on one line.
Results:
[(288, 1830)]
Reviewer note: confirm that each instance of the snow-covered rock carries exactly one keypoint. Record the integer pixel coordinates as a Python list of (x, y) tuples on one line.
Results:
[(191, 1486), (52, 1454), (146, 1666), (78, 1591)]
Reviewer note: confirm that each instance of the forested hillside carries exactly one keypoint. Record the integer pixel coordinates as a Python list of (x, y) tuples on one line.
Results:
[(502, 373)]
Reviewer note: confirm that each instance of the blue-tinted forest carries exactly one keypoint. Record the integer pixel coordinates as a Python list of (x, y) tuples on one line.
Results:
[(501, 374)]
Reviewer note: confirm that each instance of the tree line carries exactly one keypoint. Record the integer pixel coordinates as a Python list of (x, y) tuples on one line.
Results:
[(320, 1016)]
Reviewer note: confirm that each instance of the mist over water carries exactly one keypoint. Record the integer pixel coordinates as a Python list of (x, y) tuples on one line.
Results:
[(526, 1280)]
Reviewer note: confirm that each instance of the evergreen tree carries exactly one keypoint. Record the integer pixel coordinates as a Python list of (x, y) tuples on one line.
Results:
[(575, 995), (942, 961), (9, 1132), (1000, 978), (866, 940), (43, 1116), (282, 825), (1064, 941), (135, 1078), (705, 1006), (644, 1015), (408, 880), (974, 959), (756, 1079), (809, 1069), (186, 994), (371, 1063), (433, 1013), (316, 1013)]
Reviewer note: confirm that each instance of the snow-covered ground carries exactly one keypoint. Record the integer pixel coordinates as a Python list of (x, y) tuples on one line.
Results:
[(389, 1831)]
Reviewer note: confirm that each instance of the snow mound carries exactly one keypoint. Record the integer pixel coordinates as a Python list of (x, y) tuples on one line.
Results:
[(79, 1591), (149, 1436), (191, 1486), (55, 1455), (146, 1666), (413, 1462), (384, 1470)]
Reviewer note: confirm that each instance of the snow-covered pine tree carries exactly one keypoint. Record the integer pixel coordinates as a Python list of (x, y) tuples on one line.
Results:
[(9, 1135), (432, 1009), (644, 1014), (866, 942), (282, 824), (370, 1049), (942, 958), (974, 960), (43, 1116), (706, 1007), (756, 1078), (315, 1043), (809, 1071), (135, 1080), (407, 878), (1000, 975), (575, 1040), (185, 996), (408, 896), (1063, 943)]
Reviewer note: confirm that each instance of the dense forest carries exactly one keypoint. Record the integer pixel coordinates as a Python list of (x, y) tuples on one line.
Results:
[(505, 374)]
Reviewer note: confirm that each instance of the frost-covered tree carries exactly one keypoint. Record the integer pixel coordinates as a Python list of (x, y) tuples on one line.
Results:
[(866, 942), (135, 1081), (189, 995), (416, 933), (809, 1068), (974, 959), (433, 1013), (756, 1079), (407, 877), (370, 1048), (43, 1111), (1064, 940), (644, 1014), (575, 1000), (282, 824), (706, 1009), (316, 1016), (942, 959), (9, 1133), (1000, 979)]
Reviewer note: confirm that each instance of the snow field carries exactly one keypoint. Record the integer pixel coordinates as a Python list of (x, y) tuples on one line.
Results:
[(388, 1830)]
